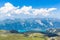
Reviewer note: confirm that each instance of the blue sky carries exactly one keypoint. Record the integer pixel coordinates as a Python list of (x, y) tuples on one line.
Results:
[(33, 3), (30, 8)]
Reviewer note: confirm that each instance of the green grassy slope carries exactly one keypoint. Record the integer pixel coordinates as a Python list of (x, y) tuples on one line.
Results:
[(11, 36), (6, 35)]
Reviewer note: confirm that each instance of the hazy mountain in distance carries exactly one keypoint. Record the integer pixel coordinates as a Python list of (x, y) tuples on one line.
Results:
[(37, 24)]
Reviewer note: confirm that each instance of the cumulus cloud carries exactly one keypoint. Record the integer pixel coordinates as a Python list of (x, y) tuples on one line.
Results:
[(51, 9), (6, 8), (9, 10)]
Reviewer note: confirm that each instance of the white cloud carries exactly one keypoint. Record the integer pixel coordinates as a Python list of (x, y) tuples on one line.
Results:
[(51, 9), (8, 9), (41, 11), (26, 10), (8, 15)]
